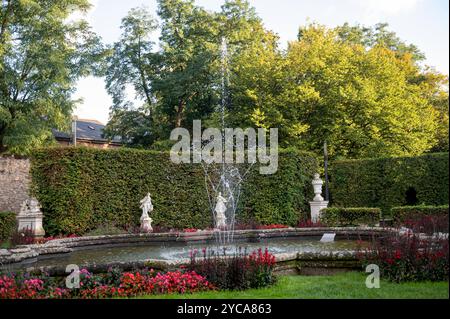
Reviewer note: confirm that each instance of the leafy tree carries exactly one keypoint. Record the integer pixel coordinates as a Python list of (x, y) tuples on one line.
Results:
[(132, 126), (364, 99), (361, 89), (358, 98), (189, 44), (434, 86), (42, 54), (378, 35), (131, 64)]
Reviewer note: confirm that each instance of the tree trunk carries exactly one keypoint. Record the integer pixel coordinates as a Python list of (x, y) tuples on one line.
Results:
[(179, 117)]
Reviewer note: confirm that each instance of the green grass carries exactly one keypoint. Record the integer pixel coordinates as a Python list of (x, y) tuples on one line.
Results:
[(341, 286), (5, 245)]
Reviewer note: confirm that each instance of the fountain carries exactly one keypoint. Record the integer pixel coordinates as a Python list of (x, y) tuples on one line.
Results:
[(223, 182)]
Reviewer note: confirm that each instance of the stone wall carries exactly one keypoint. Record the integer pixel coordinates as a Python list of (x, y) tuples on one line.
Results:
[(14, 183)]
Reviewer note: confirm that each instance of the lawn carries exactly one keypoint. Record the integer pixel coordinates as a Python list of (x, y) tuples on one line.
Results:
[(342, 286)]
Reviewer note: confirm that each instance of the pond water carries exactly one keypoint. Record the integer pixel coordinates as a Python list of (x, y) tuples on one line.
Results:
[(175, 251)]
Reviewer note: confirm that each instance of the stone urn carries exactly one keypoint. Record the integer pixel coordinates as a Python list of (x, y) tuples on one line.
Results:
[(318, 202), (317, 186)]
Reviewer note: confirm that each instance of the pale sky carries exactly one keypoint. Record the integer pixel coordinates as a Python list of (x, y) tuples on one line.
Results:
[(424, 23)]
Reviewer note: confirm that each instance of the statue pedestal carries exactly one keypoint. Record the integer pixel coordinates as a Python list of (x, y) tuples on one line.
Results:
[(30, 218), (146, 225), (316, 207)]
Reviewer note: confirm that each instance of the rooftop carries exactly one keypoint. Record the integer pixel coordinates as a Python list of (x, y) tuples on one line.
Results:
[(86, 130)]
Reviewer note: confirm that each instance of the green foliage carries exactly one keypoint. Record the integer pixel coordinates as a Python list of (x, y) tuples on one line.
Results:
[(42, 55), (131, 64), (361, 99), (81, 188), (7, 225), (401, 214), (336, 216), (281, 198), (390, 182)]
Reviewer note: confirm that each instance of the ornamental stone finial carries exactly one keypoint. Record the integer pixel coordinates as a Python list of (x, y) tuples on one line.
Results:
[(318, 202), (317, 185)]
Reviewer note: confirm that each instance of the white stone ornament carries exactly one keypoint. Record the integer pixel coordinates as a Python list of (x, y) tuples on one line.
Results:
[(147, 207), (221, 208), (317, 185), (318, 202), (30, 218)]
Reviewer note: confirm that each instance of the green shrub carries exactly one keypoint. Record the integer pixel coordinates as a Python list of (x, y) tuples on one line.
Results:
[(390, 182), (336, 216), (81, 188), (7, 225), (400, 214)]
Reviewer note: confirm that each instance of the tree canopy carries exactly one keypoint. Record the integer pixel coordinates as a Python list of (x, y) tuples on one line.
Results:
[(42, 54), (362, 89)]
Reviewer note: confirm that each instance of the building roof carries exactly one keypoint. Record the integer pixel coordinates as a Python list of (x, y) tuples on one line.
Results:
[(90, 130)]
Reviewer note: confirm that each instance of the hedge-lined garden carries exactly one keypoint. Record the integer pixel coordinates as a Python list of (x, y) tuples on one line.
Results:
[(401, 214), (80, 189), (390, 182)]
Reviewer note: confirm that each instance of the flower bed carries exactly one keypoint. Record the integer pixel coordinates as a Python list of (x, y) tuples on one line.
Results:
[(110, 285), (409, 257), (236, 272)]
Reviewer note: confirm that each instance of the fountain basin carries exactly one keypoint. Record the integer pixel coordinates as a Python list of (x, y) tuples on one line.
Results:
[(295, 249)]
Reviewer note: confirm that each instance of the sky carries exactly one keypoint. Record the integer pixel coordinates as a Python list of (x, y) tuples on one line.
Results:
[(424, 23)]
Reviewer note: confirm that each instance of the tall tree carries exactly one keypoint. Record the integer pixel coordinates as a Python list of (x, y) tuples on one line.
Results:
[(189, 49), (131, 66), (42, 54), (361, 99), (366, 98)]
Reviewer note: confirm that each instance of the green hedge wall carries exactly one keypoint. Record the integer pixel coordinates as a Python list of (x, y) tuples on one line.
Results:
[(401, 214), (82, 188), (355, 216), (390, 182), (7, 225)]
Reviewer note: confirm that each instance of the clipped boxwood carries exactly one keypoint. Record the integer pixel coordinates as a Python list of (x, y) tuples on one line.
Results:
[(7, 225), (390, 182), (81, 188), (400, 214), (338, 217)]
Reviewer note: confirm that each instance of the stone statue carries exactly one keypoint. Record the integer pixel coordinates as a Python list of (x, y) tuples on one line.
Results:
[(147, 207), (30, 218), (221, 208)]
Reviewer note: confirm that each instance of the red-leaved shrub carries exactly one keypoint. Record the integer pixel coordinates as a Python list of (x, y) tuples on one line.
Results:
[(237, 271)]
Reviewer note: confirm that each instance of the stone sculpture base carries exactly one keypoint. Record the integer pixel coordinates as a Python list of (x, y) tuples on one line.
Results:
[(316, 207), (32, 223), (146, 225)]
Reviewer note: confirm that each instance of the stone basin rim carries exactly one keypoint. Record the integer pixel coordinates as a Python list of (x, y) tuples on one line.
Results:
[(67, 245)]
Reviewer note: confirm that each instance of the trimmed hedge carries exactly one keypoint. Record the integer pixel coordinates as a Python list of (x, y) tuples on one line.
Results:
[(338, 217), (390, 182), (400, 214), (81, 188), (7, 225)]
